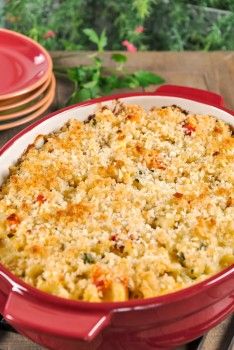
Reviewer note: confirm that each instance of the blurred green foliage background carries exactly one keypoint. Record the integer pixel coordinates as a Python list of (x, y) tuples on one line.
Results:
[(147, 24)]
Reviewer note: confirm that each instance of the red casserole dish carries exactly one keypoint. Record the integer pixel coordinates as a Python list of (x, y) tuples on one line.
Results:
[(156, 323)]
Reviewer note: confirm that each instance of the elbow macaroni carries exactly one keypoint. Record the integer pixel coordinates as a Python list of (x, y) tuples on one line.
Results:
[(129, 204)]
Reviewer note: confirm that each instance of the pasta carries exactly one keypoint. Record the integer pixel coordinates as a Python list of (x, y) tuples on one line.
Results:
[(128, 204)]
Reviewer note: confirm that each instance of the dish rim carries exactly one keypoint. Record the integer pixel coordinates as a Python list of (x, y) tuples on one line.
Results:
[(136, 304)]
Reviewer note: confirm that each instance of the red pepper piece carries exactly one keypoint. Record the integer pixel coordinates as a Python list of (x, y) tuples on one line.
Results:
[(13, 219), (41, 199), (189, 129)]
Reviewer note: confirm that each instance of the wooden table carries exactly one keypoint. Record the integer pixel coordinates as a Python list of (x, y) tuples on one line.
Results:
[(212, 71)]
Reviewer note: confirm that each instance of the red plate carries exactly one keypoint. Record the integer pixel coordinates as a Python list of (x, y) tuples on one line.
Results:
[(25, 65)]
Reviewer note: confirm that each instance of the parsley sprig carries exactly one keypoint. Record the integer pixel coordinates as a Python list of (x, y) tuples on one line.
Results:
[(96, 80)]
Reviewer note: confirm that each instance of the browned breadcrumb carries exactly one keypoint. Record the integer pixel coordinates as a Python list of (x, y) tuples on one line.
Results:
[(128, 204)]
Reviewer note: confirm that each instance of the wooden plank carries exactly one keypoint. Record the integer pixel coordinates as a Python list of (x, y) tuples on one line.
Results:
[(219, 337), (183, 61), (207, 70), (220, 76), (13, 341), (227, 80), (182, 78)]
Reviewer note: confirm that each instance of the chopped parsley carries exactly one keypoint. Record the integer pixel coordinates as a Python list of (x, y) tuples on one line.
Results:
[(181, 257), (88, 258)]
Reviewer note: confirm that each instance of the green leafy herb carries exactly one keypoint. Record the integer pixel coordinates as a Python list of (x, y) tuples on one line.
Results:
[(146, 78), (79, 96), (88, 258), (96, 80), (202, 246), (181, 257), (119, 58), (100, 41)]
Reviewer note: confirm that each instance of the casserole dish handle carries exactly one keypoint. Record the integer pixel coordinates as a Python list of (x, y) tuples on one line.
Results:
[(198, 95), (23, 312)]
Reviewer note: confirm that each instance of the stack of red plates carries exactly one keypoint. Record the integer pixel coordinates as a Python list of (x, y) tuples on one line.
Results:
[(27, 83)]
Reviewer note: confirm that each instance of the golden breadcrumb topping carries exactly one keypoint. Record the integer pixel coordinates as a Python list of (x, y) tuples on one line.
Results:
[(128, 204)]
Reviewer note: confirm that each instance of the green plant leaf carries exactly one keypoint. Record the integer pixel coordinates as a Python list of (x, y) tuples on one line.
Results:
[(77, 74), (92, 35), (90, 84), (79, 96), (95, 92), (119, 58), (111, 82), (130, 81), (102, 41), (98, 61), (34, 34), (146, 78)]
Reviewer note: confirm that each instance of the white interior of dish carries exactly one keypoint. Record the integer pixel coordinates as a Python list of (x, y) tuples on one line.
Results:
[(13, 153)]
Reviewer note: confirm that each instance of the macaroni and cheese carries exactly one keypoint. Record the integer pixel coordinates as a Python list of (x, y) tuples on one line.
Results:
[(128, 204)]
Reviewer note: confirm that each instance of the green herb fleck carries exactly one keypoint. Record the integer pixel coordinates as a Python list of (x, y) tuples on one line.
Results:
[(181, 257), (192, 274), (203, 245), (88, 258)]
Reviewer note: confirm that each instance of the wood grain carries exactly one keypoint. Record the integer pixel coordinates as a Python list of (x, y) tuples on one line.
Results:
[(213, 71)]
